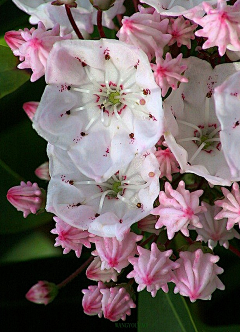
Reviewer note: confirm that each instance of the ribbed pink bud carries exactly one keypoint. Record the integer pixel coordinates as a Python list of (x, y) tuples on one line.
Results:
[(42, 293), (197, 275), (114, 253), (14, 39), (30, 108), (92, 300), (116, 303), (178, 209), (94, 272), (27, 197), (152, 269), (70, 238)]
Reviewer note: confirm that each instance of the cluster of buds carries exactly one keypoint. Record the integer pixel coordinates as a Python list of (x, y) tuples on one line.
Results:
[(125, 119)]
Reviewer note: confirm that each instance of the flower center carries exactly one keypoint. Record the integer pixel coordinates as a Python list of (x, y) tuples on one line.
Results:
[(113, 97), (116, 187), (205, 136), (109, 98)]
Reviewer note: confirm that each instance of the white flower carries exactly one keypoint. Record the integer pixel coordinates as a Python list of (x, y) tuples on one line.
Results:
[(227, 104), (105, 105), (192, 127), (108, 208), (187, 8)]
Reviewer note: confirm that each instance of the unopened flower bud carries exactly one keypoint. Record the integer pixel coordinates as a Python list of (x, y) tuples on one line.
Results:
[(42, 171), (43, 292), (30, 108), (102, 4), (27, 197), (70, 3)]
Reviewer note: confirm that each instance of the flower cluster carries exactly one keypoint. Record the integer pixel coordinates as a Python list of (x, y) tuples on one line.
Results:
[(137, 129)]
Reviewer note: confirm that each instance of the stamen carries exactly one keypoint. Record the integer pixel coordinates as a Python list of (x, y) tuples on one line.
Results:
[(102, 200), (189, 139), (191, 125), (206, 116), (214, 132), (94, 82), (197, 152), (134, 186), (82, 90)]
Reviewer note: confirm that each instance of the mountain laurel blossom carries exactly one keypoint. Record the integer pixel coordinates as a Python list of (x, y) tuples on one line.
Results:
[(221, 26), (35, 47), (178, 209), (70, 238), (230, 206), (116, 303), (114, 253), (107, 208), (152, 269), (196, 277), (113, 101)]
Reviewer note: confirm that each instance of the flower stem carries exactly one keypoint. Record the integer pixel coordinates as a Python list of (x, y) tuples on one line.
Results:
[(99, 24), (135, 3), (10, 171), (153, 236), (73, 23), (234, 250), (75, 274)]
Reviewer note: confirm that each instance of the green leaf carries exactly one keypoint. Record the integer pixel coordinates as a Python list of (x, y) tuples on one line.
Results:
[(166, 312), (35, 245), (169, 312), (11, 78)]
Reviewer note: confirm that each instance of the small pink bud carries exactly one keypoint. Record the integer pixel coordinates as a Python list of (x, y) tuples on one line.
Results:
[(42, 171), (43, 292), (27, 197), (30, 108)]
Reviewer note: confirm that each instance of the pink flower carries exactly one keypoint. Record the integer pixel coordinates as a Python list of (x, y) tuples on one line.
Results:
[(152, 269), (167, 72), (27, 197), (114, 253), (214, 230), (146, 30), (167, 163), (34, 47), (230, 206), (70, 238), (92, 300), (30, 108), (94, 272), (43, 292), (197, 275), (221, 26), (181, 31), (42, 172), (178, 208), (116, 303)]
